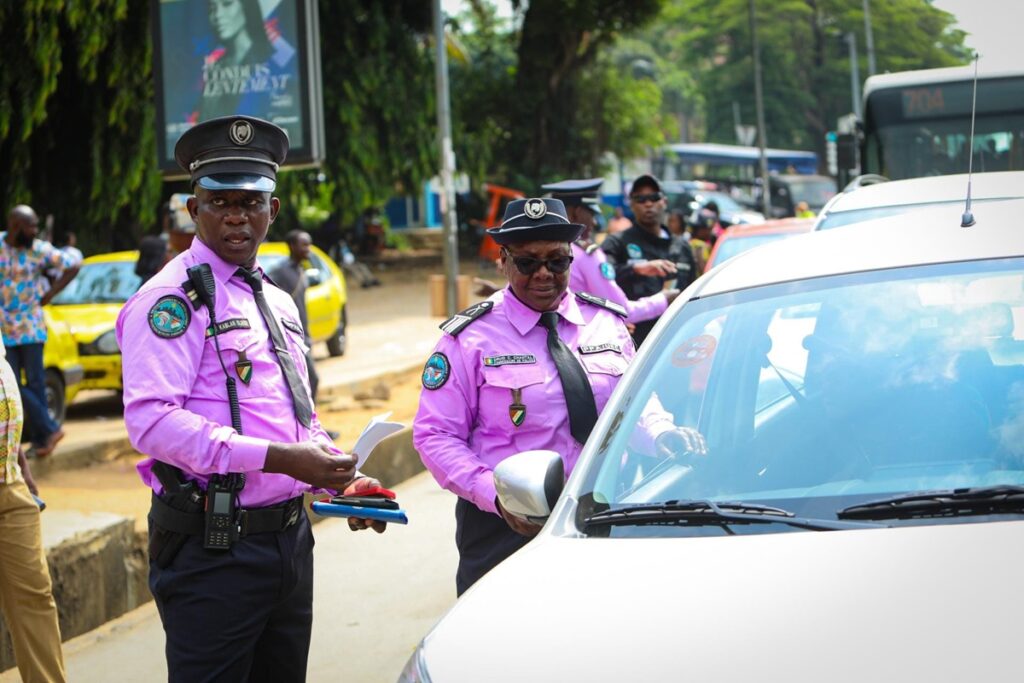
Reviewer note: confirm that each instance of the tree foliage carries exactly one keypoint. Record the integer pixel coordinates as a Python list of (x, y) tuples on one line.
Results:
[(76, 115), (805, 63)]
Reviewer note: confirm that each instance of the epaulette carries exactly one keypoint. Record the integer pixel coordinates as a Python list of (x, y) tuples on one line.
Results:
[(615, 308), (592, 248), (190, 292), (461, 320)]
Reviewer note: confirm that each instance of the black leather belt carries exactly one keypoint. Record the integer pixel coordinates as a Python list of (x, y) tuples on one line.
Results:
[(250, 520)]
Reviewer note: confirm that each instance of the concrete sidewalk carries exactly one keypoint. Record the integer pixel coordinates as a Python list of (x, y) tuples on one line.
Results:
[(97, 559)]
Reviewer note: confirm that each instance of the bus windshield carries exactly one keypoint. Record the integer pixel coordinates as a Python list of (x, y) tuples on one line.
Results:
[(924, 128)]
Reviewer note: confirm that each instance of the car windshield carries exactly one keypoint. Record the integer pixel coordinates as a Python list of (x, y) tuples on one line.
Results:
[(737, 245), (817, 395), (109, 282)]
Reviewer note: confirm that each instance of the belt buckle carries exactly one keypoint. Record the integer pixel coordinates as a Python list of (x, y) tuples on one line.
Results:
[(293, 514)]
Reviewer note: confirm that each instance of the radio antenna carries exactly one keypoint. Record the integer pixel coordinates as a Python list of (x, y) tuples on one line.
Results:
[(967, 220)]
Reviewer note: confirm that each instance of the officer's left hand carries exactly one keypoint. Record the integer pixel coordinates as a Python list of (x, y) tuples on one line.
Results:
[(679, 441), (355, 523), (520, 525)]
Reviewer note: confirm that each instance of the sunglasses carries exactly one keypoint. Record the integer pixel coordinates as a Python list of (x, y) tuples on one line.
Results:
[(645, 198), (527, 265)]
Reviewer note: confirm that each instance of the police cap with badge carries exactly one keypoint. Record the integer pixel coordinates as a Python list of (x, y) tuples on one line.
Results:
[(535, 219), (585, 193), (233, 153)]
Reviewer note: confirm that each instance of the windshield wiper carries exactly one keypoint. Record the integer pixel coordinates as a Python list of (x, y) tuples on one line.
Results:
[(977, 500), (705, 512)]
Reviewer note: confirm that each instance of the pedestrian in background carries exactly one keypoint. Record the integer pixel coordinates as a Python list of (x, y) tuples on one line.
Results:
[(26, 592), (217, 395), (641, 255), (24, 261), (618, 222), (291, 277), (530, 368)]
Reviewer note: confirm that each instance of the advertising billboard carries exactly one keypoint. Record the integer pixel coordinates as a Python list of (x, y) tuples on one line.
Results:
[(254, 57)]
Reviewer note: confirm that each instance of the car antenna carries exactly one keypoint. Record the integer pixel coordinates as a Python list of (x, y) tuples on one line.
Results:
[(967, 220)]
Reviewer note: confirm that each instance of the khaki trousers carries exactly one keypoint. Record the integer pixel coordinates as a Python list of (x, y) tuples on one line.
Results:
[(26, 595)]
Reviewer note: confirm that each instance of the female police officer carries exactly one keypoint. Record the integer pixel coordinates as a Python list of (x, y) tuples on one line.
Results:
[(529, 368)]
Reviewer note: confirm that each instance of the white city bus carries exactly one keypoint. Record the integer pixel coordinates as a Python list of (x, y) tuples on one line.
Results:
[(918, 123)]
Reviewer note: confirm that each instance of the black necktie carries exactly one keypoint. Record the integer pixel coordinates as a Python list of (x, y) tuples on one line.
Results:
[(579, 397), (300, 397)]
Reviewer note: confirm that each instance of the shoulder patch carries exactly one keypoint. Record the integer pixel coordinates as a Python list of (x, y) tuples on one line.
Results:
[(607, 271), (169, 317), (461, 320), (634, 250), (436, 371), (602, 303)]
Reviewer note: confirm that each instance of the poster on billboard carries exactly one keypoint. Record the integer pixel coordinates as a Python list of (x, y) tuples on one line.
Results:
[(222, 57)]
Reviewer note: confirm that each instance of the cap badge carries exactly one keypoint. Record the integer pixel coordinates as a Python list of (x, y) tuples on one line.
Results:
[(241, 132), (535, 208)]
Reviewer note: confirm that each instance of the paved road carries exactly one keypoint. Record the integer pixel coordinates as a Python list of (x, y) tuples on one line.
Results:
[(376, 596)]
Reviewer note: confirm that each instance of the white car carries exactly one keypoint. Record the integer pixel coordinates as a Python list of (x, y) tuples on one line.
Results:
[(878, 197), (858, 516)]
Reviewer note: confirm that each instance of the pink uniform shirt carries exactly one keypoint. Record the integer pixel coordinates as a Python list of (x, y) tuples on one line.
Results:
[(466, 424), (175, 398), (592, 273)]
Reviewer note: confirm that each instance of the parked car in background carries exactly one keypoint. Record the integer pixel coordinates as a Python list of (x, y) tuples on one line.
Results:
[(858, 513), (90, 303), (875, 196), (690, 196), (788, 190), (325, 298), (63, 367), (740, 238)]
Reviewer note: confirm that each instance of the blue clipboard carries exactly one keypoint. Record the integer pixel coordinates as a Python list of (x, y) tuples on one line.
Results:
[(328, 509)]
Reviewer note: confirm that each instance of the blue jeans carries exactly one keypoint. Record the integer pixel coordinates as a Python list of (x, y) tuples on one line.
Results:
[(29, 357)]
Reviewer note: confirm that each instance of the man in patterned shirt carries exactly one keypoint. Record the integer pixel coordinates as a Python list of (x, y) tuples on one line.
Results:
[(23, 260)]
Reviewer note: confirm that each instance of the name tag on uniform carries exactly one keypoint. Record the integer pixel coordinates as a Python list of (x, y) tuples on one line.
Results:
[(226, 326), (497, 361), (600, 348)]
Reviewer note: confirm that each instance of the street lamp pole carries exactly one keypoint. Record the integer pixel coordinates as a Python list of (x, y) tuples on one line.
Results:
[(762, 143), (851, 42), (869, 38), (444, 138)]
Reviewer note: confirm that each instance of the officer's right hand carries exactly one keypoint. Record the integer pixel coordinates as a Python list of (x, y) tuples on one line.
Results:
[(657, 267), (311, 462)]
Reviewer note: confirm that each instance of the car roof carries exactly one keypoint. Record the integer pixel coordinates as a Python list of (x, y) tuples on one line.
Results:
[(929, 190), (913, 238)]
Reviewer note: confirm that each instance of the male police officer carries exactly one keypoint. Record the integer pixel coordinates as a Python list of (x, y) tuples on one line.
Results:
[(640, 255), (591, 271), (216, 393)]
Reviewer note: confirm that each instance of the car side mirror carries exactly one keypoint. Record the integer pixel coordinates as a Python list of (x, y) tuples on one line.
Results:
[(313, 277), (529, 483)]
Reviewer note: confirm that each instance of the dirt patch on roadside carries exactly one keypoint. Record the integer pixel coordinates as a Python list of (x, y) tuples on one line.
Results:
[(115, 487)]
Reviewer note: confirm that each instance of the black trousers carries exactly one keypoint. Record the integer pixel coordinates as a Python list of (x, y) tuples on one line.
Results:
[(483, 540), (244, 614)]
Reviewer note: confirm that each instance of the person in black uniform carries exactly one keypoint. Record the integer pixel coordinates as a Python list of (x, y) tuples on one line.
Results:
[(643, 255)]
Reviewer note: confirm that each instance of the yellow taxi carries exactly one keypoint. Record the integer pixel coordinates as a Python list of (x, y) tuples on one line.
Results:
[(90, 303), (63, 368)]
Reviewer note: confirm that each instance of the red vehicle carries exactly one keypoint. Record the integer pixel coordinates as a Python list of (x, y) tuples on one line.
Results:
[(499, 197), (740, 238)]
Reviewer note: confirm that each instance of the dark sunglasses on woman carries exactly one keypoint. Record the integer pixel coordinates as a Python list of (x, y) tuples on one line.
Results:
[(527, 265)]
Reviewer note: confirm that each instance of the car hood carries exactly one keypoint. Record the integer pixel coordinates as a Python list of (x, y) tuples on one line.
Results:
[(929, 603), (87, 321)]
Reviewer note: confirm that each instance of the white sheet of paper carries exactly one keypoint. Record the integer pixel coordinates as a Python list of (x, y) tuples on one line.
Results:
[(376, 429)]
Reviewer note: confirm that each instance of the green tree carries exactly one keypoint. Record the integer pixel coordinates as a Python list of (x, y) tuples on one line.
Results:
[(805, 64), (76, 116)]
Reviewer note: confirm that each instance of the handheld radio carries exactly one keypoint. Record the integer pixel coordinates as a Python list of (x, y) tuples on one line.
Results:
[(221, 527)]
